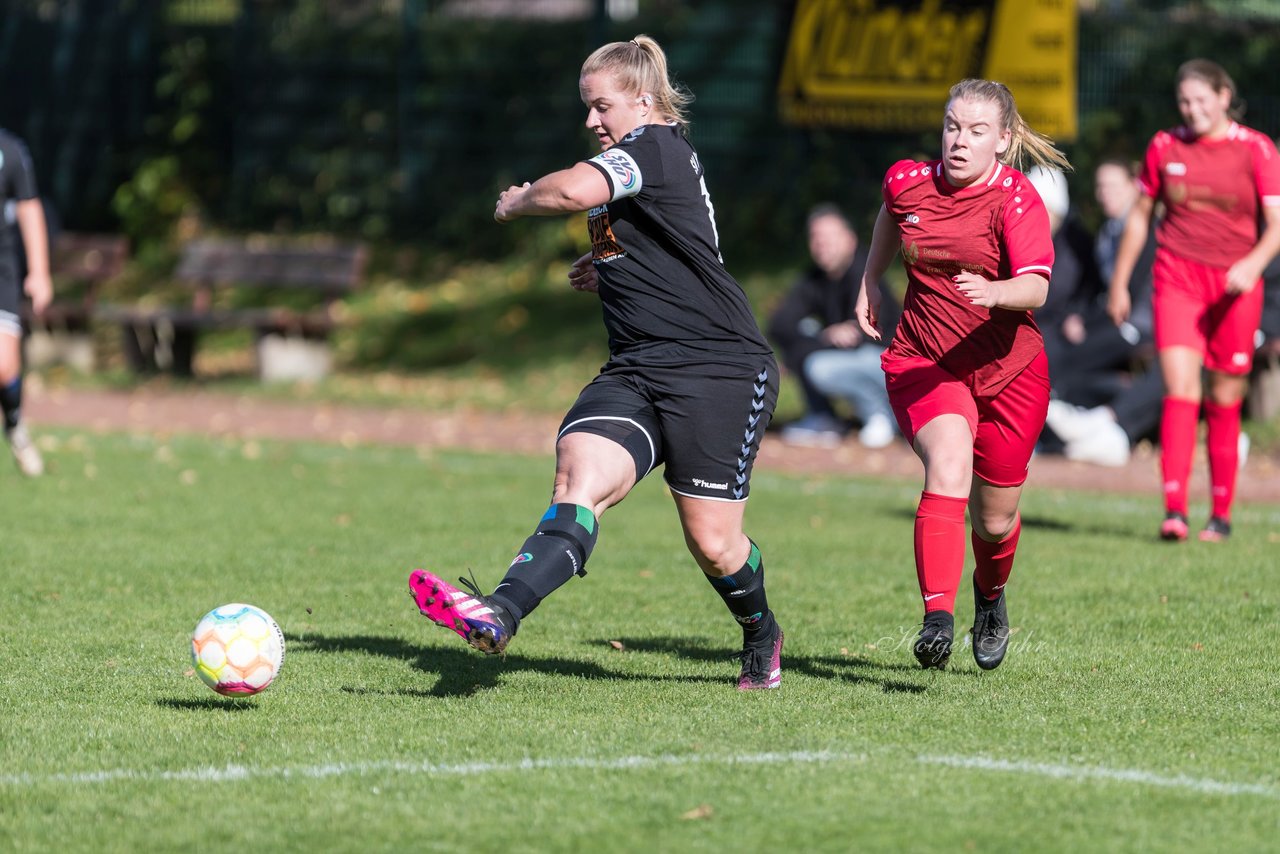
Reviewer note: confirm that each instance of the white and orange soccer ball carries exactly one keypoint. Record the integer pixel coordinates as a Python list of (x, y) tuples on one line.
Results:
[(237, 649)]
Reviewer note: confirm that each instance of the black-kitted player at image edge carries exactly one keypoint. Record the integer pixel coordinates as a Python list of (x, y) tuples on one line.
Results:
[(690, 382), (23, 209)]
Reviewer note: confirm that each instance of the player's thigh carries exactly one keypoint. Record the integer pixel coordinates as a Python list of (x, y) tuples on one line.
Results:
[(993, 509), (920, 391), (592, 471), (1181, 368), (615, 410), (713, 531)]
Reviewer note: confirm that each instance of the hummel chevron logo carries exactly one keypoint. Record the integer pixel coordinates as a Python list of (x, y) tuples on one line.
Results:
[(745, 451), (742, 465), (742, 478), (737, 493), (759, 390), (753, 420), (749, 436), (762, 376), (757, 405)]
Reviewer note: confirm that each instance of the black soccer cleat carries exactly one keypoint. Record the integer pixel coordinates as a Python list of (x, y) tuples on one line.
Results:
[(933, 646), (990, 629), (762, 661)]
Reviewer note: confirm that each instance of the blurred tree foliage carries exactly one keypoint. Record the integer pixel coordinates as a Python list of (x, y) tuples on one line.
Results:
[(399, 121)]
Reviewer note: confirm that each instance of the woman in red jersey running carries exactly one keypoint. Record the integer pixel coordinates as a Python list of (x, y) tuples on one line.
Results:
[(966, 371), (1216, 178)]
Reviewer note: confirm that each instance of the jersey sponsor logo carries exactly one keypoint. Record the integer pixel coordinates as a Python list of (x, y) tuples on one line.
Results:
[(913, 218), (1175, 168), (939, 261), (604, 246), (707, 484)]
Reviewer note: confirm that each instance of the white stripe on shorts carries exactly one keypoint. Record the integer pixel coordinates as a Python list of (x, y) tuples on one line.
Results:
[(653, 453)]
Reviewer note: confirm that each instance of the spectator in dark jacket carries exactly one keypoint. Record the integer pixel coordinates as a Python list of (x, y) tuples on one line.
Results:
[(819, 341)]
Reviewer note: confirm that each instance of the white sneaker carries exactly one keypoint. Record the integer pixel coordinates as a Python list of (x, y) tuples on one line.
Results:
[(1072, 423), (878, 432), (1106, 444), (25, 452), (1243, 448)]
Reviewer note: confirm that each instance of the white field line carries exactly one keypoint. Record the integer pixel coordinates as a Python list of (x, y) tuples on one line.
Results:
[(1095, 772), (356, 769)]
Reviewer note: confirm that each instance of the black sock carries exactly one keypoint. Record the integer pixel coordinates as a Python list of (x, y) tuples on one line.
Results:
[(743, 593), (11, 403), (557, 551)]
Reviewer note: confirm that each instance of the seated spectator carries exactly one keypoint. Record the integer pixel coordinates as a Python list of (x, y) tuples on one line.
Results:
[(1105, 435), (1090, 358), (1102, 408), (821, 345)]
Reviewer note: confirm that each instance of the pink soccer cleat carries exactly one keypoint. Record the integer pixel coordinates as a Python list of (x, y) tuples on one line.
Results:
[(1174, 527), (762, 663), (472, 617)]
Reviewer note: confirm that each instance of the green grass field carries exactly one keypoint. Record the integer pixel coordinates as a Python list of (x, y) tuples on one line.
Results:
[(1139, 708)]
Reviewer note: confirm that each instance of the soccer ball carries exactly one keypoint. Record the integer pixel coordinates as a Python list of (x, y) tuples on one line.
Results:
[(237, 649)]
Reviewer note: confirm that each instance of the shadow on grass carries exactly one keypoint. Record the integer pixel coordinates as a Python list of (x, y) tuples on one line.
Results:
[(857, 671), (463, 671), (1044, 523), (209, 704)]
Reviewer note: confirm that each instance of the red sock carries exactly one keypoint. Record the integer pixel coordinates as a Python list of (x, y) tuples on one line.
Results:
[(1224, 454), (939, 550), (1177, 443), (994, 561)]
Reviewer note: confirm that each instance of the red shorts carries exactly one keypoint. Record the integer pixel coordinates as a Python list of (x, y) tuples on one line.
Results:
[(1193, 309), (1005, 427)]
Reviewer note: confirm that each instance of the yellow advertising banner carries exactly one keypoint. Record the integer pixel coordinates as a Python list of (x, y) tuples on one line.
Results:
[(888, 64)]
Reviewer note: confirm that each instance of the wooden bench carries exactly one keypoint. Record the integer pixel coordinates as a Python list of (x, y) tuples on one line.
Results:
[(80, 263), (304, 280)]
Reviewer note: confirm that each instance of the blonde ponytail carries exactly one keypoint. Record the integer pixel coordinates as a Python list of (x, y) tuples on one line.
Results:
[(640, 65), (1025, 143)]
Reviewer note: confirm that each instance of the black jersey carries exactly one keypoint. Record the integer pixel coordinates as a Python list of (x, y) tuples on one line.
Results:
[(17, 184), (657, 253)]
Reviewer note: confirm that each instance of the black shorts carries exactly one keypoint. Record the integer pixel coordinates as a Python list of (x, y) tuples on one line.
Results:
[(10, 299), (701, 413)]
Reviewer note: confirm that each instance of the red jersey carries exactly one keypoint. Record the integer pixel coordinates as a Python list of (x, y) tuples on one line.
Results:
[(1211, 189), (998, 229)]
